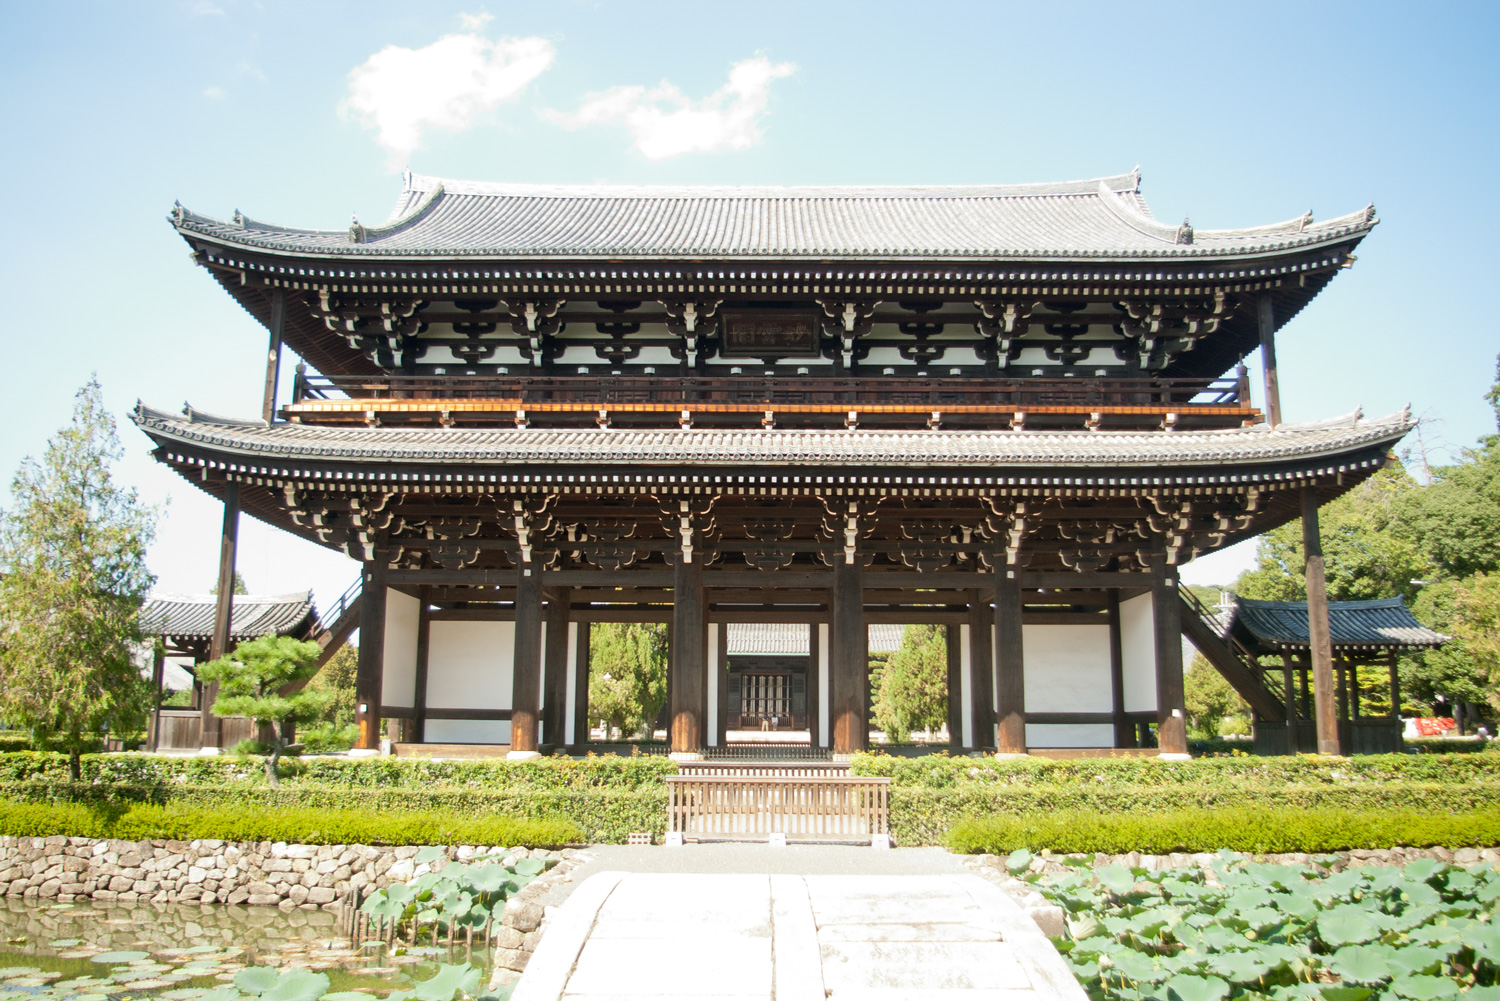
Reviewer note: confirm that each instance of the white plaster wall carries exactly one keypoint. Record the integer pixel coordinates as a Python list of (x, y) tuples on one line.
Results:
[(468, 731), (469, 666), (1138, 653), (1067, 668), (966, 681), (571, 706), (713, 684), (399, 676), (824, 734), (1069, 735)]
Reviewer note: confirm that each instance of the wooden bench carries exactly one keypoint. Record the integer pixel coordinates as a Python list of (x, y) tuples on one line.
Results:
[(837, 808)]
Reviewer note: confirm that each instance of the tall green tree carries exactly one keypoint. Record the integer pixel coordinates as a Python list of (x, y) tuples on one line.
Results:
[(73, 578), (1209, 699), (251, 680), (627, 675), (913, 692), (337, 679)]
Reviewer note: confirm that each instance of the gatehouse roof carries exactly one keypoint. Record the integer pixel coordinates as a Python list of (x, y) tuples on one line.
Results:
[(1099, 218), (1378, 624), (191, 616)]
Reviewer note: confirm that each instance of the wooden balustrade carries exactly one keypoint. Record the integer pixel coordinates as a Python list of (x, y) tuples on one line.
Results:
[(803, 808)]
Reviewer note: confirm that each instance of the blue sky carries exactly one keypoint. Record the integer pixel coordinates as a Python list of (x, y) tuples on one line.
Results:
[(303, 113)]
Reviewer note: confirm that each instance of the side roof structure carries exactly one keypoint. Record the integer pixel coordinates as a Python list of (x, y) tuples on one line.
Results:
[(1378, 624), (191, 616)]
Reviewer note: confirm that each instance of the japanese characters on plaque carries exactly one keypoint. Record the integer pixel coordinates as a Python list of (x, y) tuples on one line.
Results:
[(762, 335)]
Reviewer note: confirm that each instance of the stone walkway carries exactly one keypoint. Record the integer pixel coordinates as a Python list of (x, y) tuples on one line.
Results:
[(736, 937)]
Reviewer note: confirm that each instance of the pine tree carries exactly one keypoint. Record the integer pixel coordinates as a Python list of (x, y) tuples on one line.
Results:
[(913, 692), (251, 681), (73, 578)]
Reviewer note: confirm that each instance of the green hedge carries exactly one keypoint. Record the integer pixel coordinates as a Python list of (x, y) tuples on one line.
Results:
[(1255, 831), (303, 824)]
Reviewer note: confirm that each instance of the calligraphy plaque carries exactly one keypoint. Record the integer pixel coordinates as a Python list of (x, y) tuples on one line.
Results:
[(770, 335)]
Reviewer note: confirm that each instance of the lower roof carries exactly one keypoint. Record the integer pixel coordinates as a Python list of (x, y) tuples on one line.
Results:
[(1377, 624), (191, 616)]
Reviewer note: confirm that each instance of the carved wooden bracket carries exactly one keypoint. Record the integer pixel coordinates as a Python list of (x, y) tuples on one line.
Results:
[(692, 320), (1001, 324), (847, 321)]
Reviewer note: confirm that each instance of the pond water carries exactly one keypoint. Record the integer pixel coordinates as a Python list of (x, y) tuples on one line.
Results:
[(93, 951)]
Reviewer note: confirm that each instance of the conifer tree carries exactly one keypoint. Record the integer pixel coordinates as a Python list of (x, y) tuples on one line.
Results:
[(251, 680)]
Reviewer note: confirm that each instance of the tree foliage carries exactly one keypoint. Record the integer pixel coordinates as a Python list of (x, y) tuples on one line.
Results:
[(627, 675), (1209, 699), (251, 680), (337, 678), (73, 577), (913, 692)]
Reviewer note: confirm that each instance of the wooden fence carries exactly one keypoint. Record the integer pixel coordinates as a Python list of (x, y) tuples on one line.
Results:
[(802, 808), (757, 769)]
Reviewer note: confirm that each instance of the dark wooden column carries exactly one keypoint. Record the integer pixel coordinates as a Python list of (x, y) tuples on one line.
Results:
[(273, 353), (982, 670), (1166, 606), (688, 658), (211, 728), (370, 677), (1395, 687), (1010, 664), (419, 685), (1319, 637), (526, 664), (555, 699), (955, 651), (158, 667), (1124, 729), (1267, 316), (814, 672), (849, 659), (581, 686)]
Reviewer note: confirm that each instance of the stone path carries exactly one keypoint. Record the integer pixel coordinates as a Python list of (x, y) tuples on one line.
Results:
[(739, 936)]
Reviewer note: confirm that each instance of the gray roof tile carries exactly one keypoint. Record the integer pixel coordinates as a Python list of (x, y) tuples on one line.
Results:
[(783, 639), (775, 447), (191, 616), (1099, 218), (1382, 622)]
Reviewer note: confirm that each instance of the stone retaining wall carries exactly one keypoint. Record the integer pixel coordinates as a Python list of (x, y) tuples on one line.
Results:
[(205, 872)]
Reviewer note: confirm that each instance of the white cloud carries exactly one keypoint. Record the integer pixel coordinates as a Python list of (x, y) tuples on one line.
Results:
[(215, 93), (204, 8), (664, 123), (474, 22), (398, 92)]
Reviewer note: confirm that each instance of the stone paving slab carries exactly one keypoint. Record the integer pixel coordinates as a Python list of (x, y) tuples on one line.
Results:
[(784, 937)]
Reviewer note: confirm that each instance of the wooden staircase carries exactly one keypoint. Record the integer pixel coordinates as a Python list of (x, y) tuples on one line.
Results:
[(1229, 657)]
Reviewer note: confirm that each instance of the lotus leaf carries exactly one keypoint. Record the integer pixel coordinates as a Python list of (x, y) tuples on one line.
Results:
[(348, 996), (530, 867), (1363, 964), (1242, 967), (1346, 924), (431, 853), (1419, 987), (1346, 993), (1018, 861), (119, 958), (1189, 988)]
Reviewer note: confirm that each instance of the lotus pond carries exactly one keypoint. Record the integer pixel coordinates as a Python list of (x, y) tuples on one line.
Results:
[(187, 952), (1244, 930)]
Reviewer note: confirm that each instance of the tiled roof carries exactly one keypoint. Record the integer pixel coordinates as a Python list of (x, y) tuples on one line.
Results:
[(783, 639), (191, 616), (1099, 218), (1380, 623), (299, 443)]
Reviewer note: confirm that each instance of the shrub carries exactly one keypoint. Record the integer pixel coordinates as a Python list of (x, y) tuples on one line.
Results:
[(302, 824), (1242, 829), (327, 737)]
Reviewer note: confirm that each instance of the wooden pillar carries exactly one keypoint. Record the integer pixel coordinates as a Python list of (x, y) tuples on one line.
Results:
[(1010, 664), (1267, 316), (1395, 687), (369, 678), (581, 686), (526, 665), (1171, 713), (1319, 637), (1124, 730), (158, 668), (814, 674), (982, 670), (555, 698), (419, 685), (211, 728), (273, 353), (955, 650), (688, 659), (849, 657)]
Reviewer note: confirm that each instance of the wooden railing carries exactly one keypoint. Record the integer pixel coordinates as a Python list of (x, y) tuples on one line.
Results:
[(612, 390), (756, 769), (828, 808)]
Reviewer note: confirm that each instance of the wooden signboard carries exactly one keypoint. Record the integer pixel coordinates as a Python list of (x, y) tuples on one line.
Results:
[(773, 335)]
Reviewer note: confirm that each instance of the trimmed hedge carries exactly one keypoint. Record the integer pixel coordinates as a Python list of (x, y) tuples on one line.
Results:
[(305, 825), (1255, 831)]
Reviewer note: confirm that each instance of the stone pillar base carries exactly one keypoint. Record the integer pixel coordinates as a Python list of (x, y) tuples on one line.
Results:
[(1171, 756), (1011, 756), (686, 755), (522, 755)]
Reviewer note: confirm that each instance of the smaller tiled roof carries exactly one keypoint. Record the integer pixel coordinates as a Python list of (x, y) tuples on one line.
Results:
[(191, 616), (1378, 624), (790, 639)]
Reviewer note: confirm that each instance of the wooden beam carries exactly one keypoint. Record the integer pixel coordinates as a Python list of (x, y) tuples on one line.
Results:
[(555, 699), (814, 674), (273, 353), (982, 670), (1166, 606), (370, 675), (581, 686), (954, 648), (849, 660), (526, 665), (687, 658), (211, 731), (1010, 664), (1319, 637), (424, 646), (1124, 729), (1266, 315)]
